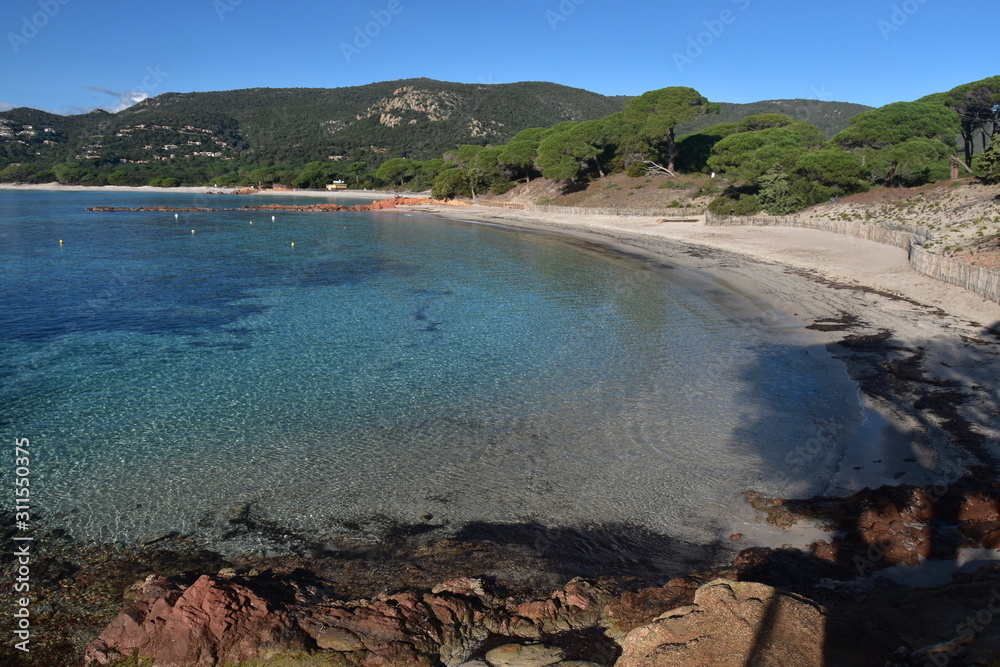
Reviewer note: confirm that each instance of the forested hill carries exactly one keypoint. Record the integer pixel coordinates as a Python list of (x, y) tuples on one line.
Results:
[(830, 117), (414, 118)]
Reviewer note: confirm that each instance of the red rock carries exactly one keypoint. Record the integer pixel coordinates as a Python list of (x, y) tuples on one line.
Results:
[(731, 624), (825, 551), (628, 611), (465, 587), (982, 534), (212, 621), (978, 507), (898, 536)]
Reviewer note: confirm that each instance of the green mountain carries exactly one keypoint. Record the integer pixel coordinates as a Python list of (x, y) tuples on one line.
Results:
[(415, 118), (830, 117)]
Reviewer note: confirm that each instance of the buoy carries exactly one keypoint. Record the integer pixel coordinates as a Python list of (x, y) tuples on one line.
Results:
[(176, 215), (251, 222), (60, 242), (293, 244), (192, 231), (272, 218)]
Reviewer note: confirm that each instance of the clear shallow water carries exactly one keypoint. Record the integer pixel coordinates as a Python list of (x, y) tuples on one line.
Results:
[(387, 368)]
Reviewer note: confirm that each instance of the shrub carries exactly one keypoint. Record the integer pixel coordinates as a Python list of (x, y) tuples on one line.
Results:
[(988, 162), (636, 170), (451, 183), (118, 178), (747, 205), (776, 196), (500, 187), (722, 206)]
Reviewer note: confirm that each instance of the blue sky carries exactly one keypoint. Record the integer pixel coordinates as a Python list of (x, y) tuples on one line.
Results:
[(69, 56)]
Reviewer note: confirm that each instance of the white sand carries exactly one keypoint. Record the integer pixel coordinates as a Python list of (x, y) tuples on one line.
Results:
[(835, 256)]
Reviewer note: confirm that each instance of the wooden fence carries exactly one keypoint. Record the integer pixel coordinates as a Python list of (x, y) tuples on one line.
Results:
[(984, 282), (891, 234), (501, 204), (667, 212)]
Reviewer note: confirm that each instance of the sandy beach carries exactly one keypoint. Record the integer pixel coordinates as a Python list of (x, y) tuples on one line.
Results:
[(319, 194), (904, 337)]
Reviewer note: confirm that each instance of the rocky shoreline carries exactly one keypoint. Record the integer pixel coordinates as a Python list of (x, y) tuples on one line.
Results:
[(494, 597), (508, 604)]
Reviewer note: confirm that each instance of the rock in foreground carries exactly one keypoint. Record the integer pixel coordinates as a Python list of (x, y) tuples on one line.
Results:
[(731, 624)]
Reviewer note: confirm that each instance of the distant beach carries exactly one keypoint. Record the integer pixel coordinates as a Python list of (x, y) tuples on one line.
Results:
[(323, 194)]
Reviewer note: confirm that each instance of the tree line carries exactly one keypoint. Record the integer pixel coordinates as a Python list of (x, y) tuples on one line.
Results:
[(772, 162)]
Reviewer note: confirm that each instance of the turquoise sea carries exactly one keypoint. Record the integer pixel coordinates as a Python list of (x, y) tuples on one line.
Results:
[(388, 368)]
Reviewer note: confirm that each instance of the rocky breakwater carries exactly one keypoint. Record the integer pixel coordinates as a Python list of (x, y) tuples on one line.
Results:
[(380, 205)]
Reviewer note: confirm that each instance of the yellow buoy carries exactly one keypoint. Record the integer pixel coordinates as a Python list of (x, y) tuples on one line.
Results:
[(60, 242), (251, 222), (192, 231), (293, 244)]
